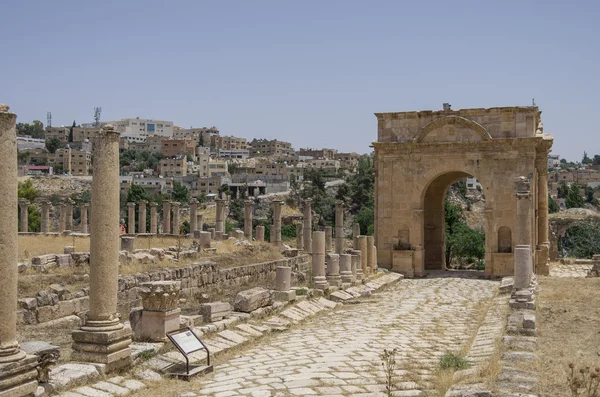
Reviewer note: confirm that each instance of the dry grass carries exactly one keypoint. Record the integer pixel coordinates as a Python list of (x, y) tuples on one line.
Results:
[(227, 255), (568, 318), (35, 245)]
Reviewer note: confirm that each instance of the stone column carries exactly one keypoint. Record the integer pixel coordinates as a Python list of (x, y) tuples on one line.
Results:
[(371, 254), (166, 217), (200, 222), (283, 283), (363, 244), (63, 218), (204, 240), (523, 267), (318, 260), (543, 243), (130, 218), (69, 215), (300, 236), (275, 234), (24, 206), (84, 218), (176, 218), (248, 205), (339, 227), (333, 270), (524, 227), (308, 225), (355, 234), (193, 215), (357, 264), (153, 218), (142, 216), (328, 238), (45, 221), (346, 268), (103, 338), (17, 370), (220, 217), (161, 314), (260, 233)]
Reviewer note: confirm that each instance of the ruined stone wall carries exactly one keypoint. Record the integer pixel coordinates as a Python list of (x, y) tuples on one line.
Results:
[(199, 278)]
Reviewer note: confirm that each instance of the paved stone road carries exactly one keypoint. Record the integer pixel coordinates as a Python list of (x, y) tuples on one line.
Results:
[(570, 271), (338, 354)]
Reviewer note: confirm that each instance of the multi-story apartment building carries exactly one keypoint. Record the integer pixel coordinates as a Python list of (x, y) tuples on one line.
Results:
[(178, 147), (205, 185), (62, 133), (327, 154), (227, 142), (233, 153), (200, 135), (136, 130), (80, 134), (153, 185), (348, 160), (264, 147), (271, 168), (173, 167), (324, 164), (72, 161), (217, 167)]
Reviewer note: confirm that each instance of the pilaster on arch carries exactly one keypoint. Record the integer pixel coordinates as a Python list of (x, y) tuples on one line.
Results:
[(452, 120)]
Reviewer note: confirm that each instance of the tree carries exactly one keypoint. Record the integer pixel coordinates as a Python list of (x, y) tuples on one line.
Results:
[(586, 159), (236, 210), (465, 244), (224, 189), (136, 193), (52, 144), (71, 131), (562, 189), (366, 219), (22, 157), (27, 191), (574, 199), (589, 195), (596, 160), (35, 130), (180, 192), (583, 239), (552, 206)]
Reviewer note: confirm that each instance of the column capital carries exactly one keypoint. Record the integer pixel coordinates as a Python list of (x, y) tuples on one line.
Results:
[(131, 205), (143, 202), (153, 204), (175, 203)]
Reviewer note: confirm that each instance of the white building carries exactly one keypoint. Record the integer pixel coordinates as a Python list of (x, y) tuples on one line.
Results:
[(553, 161), (234, 153), (136, 130), (472, 183)]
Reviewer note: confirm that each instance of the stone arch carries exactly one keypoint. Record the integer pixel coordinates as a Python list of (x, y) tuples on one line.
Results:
[(504, 239), (453, 120)]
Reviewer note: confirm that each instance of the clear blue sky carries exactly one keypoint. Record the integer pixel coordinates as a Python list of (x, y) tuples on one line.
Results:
[(311, 72)]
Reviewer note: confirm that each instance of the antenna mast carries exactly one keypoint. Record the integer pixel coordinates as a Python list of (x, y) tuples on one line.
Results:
[(48, 119), (97, 111)]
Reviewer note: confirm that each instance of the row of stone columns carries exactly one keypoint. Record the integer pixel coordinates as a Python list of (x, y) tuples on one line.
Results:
[(196, 219), (65, 220)]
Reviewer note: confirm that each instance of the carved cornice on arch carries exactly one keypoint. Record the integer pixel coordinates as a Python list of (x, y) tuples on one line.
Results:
[(456, 120)]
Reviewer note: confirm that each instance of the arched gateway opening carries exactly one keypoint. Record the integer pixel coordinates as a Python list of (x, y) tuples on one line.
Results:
[(419, 155), (434, 225)]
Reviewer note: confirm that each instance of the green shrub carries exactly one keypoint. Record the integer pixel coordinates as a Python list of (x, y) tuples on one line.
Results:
[(453, 361)]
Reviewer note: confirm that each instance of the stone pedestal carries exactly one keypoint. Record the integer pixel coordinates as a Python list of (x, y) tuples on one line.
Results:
[(355, 234), (18, 372), (300, 236), (166, 217), (328, 238), (220, 216), (103, 338), (176, 218), (45, 221), (260, 233), (283, 283), (339, 227), (153, 218), (275, 235), (213, 232), (346, 269), (160, 314), (318, 260), (204, 240), (363, 245), (142, 216), (83, 224), (130, 218), (127, 243), (333, 270), (248, 205), (24, 218), (194, 215), (308, 225)]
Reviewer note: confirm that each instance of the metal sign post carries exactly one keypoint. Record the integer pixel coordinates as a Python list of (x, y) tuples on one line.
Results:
[(187, 342)]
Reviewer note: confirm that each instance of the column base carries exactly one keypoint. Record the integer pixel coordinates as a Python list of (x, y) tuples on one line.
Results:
[(155, 325), (320, 282), (104, 347), (285, 296), (334, 280), (347, 277), (360, 276), (19, 378)]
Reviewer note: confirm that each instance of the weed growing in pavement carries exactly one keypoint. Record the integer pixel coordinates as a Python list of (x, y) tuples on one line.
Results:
[(389, 366), (585, 382)]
